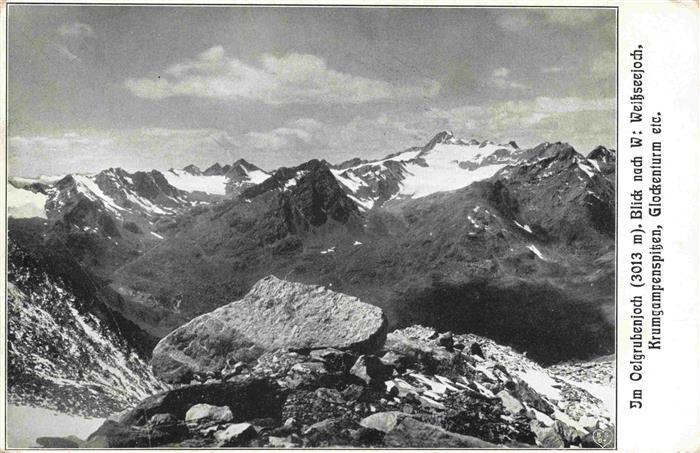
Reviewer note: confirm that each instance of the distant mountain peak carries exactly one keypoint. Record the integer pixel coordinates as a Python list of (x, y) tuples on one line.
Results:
[(601, 152), (193, 170), (245, 164), (214, 170), (443, 137)]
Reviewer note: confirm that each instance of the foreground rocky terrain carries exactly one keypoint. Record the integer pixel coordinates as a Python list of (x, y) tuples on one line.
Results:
[(337, 378)]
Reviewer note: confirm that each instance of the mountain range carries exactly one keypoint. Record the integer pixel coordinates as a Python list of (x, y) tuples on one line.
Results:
[(513, 244)]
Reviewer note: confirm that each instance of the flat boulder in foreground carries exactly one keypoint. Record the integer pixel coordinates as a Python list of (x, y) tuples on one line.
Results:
[(275, 314)]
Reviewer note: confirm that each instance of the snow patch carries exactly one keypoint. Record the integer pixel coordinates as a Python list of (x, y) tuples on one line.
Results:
[(524, 227), (90, 189), (442, 176), (215, 185), (541, 383), (586, 169), (536, 251)]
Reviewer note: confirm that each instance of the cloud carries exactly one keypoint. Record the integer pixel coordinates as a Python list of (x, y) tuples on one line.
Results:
[(76, 30), (295, 133), (604, 65), (276, 139), (551, 69), (574, 17), (287, 79), (133, 149), (582, 122), (514, 21), (500, 79), (64, 52), (519, 20)]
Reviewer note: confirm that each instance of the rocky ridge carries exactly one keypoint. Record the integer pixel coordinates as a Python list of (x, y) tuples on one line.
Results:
[(417, 389), (61, 355)]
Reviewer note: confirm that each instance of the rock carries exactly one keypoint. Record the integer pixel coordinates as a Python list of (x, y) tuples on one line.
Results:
[(353, 392), (334, 360), (475, 349), (196, 443), (367, 436), (206, 413), (232, 370), (162, 419), (411, 433), (323, 426), (426, 356), (331, 432), (330, 395), (547, 437), (285, 442), (392, 389), (371, 370), (589, 422), (57, 442), (383, 421), (254, 398), (275, 314), (446, 340), (569, 434), (398, 361), (309, 368), (526, 394), (511, 404), (236, 434), (116, 435)]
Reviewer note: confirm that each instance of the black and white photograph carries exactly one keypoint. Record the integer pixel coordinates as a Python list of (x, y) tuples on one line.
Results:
[(311, 226)]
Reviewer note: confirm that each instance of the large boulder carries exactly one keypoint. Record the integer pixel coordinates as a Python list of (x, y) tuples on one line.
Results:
[(275, 314)]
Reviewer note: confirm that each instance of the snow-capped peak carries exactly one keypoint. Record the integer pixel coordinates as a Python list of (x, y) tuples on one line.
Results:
[(444, 163), (217, 179)]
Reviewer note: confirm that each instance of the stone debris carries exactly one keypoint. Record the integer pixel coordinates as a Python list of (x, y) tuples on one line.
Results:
[(415, 390)]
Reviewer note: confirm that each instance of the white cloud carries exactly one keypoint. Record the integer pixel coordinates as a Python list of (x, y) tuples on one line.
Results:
[(514, 21), (295, 133), (552, 69), (76, 30), (133, 149), (519, 21), (604, 65), (276, 139), (584, 123), (500, 79), (501, 72), (291, 78), (574, 17)]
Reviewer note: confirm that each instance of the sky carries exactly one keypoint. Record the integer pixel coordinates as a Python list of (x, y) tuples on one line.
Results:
[(142, 87)]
